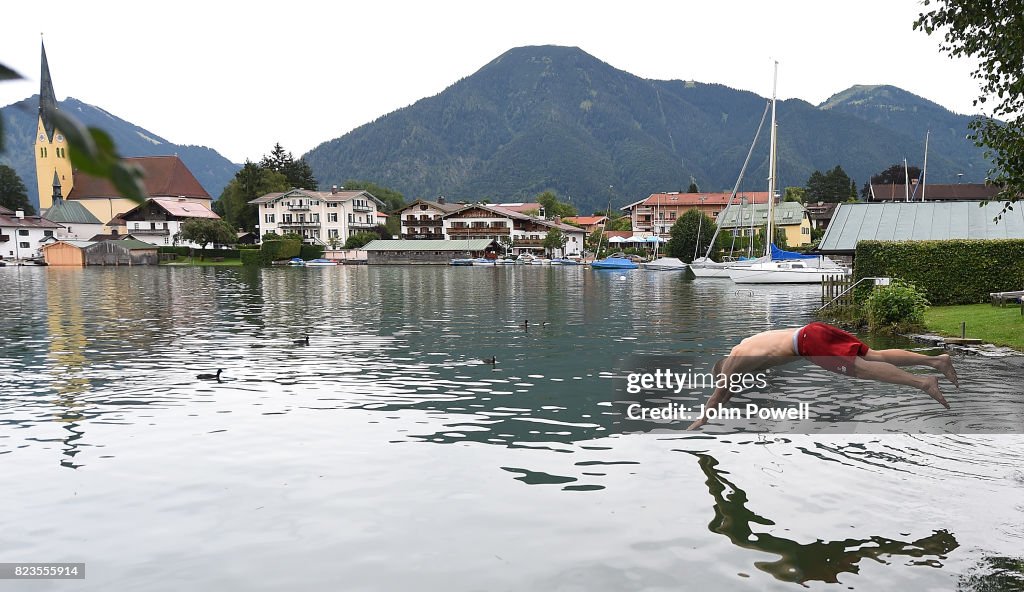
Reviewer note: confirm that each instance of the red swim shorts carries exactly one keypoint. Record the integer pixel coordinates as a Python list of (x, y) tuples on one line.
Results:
[(831, 348)]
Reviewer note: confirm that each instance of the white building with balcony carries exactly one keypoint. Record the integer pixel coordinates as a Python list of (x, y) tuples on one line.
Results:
[(320, 217), (423, 219), (158, 220), (519, 232), (22, 236)]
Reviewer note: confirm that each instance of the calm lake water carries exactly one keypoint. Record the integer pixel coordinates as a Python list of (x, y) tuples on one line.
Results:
[(387, 455)]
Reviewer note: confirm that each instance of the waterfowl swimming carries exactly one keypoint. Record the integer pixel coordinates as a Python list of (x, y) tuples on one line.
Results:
[(491, 360), (210, 376), (301, 341)]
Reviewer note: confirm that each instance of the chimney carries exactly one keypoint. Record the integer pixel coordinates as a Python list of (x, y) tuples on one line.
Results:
[(558, 219), (334, 189), (20, 214), (440, 200)]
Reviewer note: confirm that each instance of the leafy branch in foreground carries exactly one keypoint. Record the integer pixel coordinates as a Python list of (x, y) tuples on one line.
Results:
[(992, 33), (92, 150)]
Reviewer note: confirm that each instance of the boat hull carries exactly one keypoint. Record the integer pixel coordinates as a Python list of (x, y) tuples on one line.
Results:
[(755, 275)]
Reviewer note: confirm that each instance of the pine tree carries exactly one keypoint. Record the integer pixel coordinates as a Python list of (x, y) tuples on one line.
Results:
[(13, 194)]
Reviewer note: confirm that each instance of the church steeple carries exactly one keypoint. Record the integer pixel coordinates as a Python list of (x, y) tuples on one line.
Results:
[(50, 146), (56, 187), (47, 98)]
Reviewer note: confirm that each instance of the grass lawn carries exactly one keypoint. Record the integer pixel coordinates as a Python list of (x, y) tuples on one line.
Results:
[(185, 260), (992, 324)]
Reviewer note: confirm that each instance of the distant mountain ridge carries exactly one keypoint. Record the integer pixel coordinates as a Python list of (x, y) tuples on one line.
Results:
[(551, 117), (212, 170)]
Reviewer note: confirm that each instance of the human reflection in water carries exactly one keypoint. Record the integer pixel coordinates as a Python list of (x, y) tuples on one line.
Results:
[(802, 562)]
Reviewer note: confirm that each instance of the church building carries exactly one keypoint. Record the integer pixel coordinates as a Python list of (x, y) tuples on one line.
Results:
[(92, 200)]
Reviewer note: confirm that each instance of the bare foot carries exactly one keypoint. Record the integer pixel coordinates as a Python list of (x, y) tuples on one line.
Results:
[(945, 365), (931, 387)]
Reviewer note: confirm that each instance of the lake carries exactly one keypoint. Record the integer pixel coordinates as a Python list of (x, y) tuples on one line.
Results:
[(388, 455)]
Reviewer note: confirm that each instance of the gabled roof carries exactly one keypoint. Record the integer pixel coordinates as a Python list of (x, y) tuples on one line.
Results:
[(787, 212), (696, 199), (902, 221), (175, 207), (476, 244), (70, 212), (444, 207), (5, 212), (131, 244), (340, 195), (586, 220), (74, 243), (165, 176), (520, 206), (12, 221), (934, 191)]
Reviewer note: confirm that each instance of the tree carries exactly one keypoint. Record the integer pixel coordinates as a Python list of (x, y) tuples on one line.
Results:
[(684, 239), (553, 207), (392, 199), (250, 182), (13, 194), (794, 194), (833, 186), (555, 240), (360, 239), (894, 175), (693, 187), (204, 231), (993, 34), (297, 172)]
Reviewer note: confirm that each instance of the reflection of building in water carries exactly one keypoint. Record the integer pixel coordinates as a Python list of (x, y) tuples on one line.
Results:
[(821, 561), (66, 354)]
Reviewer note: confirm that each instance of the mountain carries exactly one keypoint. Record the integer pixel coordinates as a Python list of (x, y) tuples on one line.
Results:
[(910, 116), (550, 117), (211, 169)]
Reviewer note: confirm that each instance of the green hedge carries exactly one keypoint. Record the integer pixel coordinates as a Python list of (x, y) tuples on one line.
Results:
[(184, 252), (252, 257), (308, 252), (950, 271), (275, 250)]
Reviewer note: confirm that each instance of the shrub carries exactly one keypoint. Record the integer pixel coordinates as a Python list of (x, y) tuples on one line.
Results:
[(949, 271), (251, 257), (311, 252), (898, 307), (274, 250), (360, 239)]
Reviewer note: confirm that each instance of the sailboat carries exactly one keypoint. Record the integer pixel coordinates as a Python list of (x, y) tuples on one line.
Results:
[(778, 266), (705, 267)]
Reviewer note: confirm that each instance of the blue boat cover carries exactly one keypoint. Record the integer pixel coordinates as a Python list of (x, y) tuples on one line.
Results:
[(780, 255)]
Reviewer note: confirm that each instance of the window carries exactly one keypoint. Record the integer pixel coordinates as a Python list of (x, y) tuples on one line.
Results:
[(49, 232), (23, 245), (165, 240), (805, 230), (268, 218), (22, 232), (332, 233), (315, 218), (286, 218), (302, 218), (138, 226), (332, 217), (351, 218)]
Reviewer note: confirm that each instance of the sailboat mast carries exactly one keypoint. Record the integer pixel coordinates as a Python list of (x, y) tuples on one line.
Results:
[(736, 188), (924, 171), (771, 169)]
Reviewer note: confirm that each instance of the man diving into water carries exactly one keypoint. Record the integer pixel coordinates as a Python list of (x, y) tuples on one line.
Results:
[(834, 350)]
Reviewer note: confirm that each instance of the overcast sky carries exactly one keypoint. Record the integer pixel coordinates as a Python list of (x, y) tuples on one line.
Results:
[(240, 76)]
